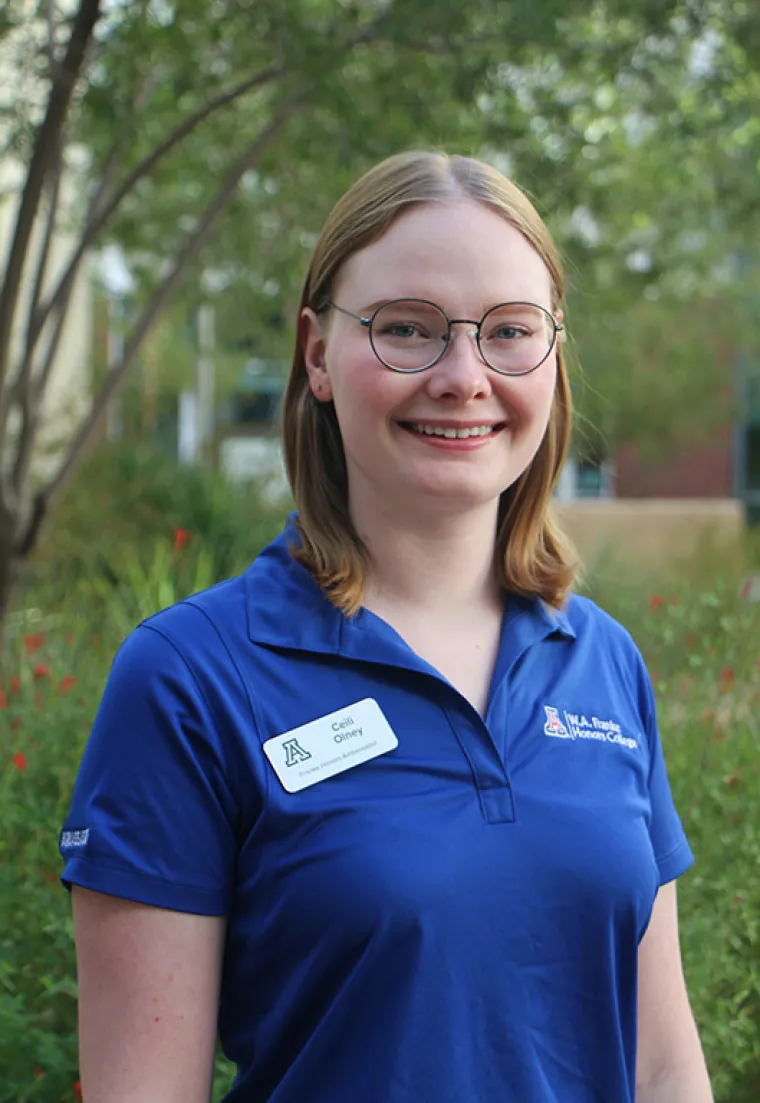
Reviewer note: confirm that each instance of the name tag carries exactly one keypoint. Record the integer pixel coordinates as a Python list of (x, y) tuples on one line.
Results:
[(330, 745)]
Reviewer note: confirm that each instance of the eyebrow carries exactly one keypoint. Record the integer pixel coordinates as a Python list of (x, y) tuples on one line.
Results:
[(367, 310)]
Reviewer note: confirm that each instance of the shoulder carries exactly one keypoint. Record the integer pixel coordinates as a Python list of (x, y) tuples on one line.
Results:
[(606, 643), (191, 644), (203, 617), (589, 621)]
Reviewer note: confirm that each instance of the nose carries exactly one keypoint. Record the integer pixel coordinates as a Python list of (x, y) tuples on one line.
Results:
[(461, 372)]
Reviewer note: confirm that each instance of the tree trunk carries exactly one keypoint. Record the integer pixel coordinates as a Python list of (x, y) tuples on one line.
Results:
[(9, 573)]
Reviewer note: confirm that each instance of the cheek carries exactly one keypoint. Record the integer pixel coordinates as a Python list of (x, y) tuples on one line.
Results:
[(364, 391), (530, 396)]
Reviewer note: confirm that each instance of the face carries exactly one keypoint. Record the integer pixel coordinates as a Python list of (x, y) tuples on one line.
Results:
[(466, 259)]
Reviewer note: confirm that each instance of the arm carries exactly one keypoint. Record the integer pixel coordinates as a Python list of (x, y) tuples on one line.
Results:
[(148, 1000), (670, 1064)]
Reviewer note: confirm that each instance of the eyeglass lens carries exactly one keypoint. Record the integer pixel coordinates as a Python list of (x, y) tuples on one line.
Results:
[(408, 335)]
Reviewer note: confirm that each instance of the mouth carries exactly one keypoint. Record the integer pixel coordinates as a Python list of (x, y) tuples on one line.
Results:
[(451, 431)]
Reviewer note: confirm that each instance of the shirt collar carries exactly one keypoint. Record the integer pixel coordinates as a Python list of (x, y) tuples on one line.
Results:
[(286, 608)]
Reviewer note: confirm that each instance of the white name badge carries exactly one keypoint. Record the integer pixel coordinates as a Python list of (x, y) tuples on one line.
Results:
[(330, 745)]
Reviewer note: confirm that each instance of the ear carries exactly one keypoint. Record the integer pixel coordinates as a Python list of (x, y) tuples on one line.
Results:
[(559, 317), (314, 345)]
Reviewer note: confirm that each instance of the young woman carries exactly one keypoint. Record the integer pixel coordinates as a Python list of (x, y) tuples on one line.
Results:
[(390, 809)]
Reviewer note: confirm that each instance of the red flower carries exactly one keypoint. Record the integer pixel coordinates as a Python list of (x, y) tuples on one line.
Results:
[(41, 671), (656, 602), (727, 679), (34, 642), (78, 1090), (67, 683), (15, 685), (3, 700), (37, 1073), (19, 761), (181, 537)]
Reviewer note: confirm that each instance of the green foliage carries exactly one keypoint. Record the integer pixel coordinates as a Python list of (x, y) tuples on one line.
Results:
[(126, 498), (700, 639), (702, 647), (634, 126)]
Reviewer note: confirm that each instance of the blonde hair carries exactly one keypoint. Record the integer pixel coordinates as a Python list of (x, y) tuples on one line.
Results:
[(533, 556)]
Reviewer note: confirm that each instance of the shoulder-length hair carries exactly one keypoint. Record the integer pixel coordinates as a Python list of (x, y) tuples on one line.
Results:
[(532, 555)]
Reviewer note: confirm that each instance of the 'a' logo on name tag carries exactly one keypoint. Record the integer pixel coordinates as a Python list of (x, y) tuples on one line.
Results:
[(330, 745)]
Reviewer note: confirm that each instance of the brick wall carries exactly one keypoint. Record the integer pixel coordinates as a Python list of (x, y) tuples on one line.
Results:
[(699, 472)]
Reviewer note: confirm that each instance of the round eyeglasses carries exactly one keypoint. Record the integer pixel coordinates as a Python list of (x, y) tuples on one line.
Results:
[(410, 335)]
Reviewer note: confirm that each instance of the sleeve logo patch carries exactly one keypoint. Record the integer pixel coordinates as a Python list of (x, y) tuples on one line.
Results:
[(75, 840), (574, 725)]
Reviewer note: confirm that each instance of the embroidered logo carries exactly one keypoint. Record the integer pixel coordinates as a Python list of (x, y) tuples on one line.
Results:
[(294, 752), (554, 725), (575, 725), (73, 840)]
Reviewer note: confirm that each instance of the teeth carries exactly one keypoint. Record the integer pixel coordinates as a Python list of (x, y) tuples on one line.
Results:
[(451, 434)]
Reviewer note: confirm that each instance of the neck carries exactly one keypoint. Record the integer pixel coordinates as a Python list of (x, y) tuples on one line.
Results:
[(440, 563)]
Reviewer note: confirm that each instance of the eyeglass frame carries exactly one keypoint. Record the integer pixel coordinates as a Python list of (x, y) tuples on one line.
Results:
[(558, 329)]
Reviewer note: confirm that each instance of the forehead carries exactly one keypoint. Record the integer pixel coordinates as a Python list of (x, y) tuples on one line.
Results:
[(460, 254)]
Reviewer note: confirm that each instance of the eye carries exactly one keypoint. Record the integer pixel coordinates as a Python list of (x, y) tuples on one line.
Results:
[(409, 323), (507, 332), (403, 330)]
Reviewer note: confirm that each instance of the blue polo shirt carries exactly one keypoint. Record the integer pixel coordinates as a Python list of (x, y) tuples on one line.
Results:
[(456, 918)]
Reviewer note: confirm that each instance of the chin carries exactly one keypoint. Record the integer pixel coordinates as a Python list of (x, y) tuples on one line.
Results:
[(459, 493)]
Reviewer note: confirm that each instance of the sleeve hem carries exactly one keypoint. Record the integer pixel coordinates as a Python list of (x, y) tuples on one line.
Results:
[(144, 889), (675, 862)]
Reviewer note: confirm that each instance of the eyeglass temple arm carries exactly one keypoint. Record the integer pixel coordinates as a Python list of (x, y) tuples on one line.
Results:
[(349, 313)]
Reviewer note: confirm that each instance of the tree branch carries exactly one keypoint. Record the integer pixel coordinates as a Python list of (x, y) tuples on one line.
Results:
[(42, 263), (30, 409), (37, 316), (149, 315), (99, 214), (43, 157), (27, 390)]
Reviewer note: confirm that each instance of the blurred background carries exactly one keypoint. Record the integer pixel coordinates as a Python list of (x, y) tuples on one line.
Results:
[(165, 169)]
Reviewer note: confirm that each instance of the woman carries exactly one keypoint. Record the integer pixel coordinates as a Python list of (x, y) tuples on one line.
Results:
[(389, 805)]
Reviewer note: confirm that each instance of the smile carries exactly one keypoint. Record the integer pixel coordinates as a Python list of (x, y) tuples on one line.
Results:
[(450, 433)]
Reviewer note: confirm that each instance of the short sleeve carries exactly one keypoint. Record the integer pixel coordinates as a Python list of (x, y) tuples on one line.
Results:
[(672, 853), (152, 817)]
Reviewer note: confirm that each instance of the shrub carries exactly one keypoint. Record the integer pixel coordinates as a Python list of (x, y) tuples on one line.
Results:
[(127, 497), (702, 646)]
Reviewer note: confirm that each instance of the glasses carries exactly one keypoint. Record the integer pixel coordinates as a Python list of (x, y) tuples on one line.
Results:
[(410, 335)]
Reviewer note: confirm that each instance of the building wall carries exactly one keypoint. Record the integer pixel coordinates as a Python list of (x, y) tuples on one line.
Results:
[(652, 535), (704, 471), (67, 396)]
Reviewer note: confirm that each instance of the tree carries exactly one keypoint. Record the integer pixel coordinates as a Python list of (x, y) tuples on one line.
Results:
[(187, 121)]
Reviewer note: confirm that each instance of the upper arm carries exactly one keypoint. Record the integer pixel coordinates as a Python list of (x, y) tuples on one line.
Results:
[(148, 999), (667, 1035)]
